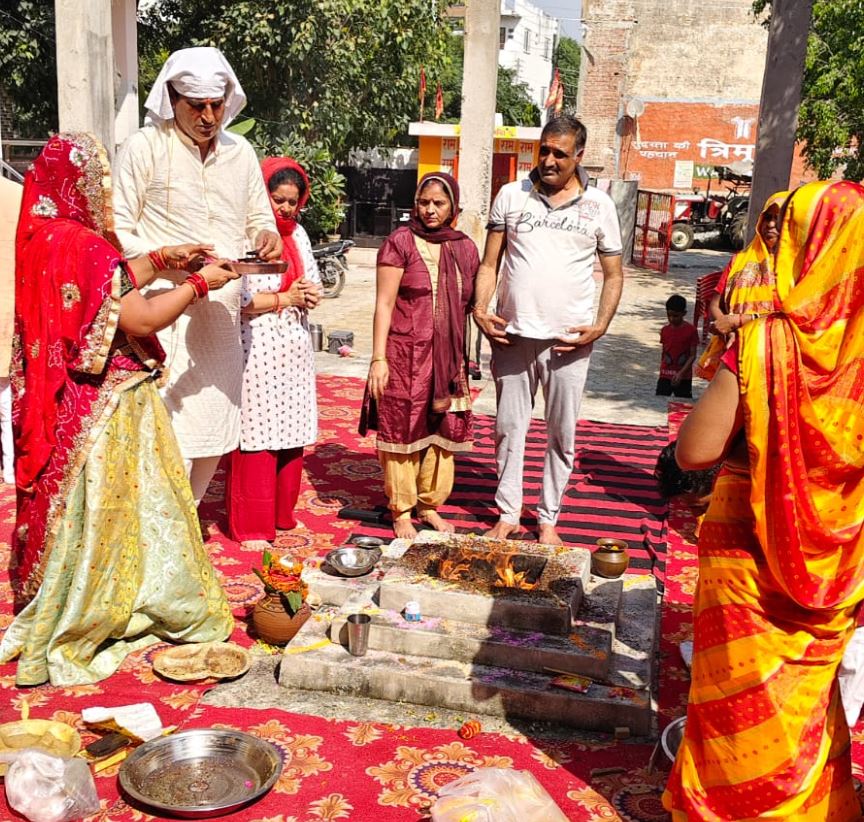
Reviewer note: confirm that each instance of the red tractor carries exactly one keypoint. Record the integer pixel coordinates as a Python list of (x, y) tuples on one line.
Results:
[(725, 214)]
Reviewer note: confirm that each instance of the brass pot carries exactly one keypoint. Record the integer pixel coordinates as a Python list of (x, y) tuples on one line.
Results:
[(610, 560)]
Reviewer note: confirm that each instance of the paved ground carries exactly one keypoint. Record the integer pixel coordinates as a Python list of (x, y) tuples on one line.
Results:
[(624, 364)]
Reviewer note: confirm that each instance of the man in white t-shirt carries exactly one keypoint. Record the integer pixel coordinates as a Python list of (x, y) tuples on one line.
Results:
[(548, 229)]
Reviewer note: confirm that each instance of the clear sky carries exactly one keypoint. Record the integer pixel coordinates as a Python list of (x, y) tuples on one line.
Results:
[(567, 11)]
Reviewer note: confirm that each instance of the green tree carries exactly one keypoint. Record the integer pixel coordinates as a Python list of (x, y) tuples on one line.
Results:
[(831, 117), (340, 74), (568, 58), (512, 98), (28, 65)]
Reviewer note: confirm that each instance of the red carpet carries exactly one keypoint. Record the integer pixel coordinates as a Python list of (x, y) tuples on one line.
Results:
[(357, 771), (612, 492)]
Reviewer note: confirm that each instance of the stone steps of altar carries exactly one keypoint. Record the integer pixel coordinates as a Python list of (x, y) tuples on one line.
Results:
[(585, 651), (622, 699)]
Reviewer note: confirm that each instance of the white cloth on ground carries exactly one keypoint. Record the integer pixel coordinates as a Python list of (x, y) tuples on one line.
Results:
[(279, 409), (165, 195), (201, 72)]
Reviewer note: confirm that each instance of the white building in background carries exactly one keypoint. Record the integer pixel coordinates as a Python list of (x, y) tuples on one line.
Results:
[(527, 39)]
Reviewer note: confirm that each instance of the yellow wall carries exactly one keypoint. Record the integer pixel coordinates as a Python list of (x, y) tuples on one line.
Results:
[(429, 155)]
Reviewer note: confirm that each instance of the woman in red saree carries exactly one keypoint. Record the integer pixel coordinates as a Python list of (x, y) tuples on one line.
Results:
[(107, 551), (417, 392), (781, 549)]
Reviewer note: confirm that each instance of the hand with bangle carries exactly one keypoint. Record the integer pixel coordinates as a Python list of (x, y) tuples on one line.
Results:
[(179, 257), (379, 376), (211, 277), (731, 322)]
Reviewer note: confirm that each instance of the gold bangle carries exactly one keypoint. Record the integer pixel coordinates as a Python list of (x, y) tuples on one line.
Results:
[(378, 359)]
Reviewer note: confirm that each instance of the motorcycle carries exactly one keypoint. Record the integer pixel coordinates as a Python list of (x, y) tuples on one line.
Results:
[(332, 266)]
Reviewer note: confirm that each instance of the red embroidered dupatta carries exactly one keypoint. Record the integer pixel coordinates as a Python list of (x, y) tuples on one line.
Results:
[(67, 308)]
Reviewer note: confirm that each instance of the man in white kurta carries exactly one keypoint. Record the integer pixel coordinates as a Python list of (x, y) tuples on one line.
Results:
[(183, 178)]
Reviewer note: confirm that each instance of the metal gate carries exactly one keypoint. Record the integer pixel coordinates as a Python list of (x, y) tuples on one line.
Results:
[(653, 230)]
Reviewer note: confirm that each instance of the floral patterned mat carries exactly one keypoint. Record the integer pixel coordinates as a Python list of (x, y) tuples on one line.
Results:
[(348, 770)]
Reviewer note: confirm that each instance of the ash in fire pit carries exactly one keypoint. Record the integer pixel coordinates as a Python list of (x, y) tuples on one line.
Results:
[(503, 582), (507, 569)]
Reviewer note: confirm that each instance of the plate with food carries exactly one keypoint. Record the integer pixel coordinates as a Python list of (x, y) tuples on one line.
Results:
[(216, 660)]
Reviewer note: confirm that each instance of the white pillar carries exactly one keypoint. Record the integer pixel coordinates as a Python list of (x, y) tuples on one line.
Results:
[(85, 68), (477, 141), (125, 32)]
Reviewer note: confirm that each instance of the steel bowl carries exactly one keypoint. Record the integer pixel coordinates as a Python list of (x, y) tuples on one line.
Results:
[(673, 734), (367, 542), (353, 561), (201, 773)]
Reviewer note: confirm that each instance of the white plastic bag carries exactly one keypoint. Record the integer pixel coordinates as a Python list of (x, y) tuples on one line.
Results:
[(850, 675), (48, 788), (495, 795)]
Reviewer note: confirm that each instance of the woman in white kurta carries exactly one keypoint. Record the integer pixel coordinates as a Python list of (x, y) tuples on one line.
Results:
[(278, 414)]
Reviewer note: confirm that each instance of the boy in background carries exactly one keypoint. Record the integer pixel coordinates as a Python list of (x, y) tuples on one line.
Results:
[(679, 340)]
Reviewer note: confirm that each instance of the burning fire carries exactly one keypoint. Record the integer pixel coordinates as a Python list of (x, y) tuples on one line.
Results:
[(493, 567)]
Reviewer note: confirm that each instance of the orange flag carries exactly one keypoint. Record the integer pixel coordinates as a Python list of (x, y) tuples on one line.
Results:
[(559, 98), (422, 91), (553, 90), (439, 102)]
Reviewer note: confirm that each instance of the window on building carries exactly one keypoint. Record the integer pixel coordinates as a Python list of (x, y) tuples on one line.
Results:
[(547, 49), (502, 37), (527, 44)]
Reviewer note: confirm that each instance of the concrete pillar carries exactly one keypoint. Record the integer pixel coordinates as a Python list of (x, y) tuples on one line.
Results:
[(124, 26), (781, 96), (477, 140), (85, 68)]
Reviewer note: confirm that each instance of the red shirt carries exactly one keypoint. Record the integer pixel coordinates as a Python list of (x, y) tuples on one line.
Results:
[(679, 342)]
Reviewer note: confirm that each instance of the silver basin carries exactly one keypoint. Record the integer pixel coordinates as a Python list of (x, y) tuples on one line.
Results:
[(200, 773), (353, 561)]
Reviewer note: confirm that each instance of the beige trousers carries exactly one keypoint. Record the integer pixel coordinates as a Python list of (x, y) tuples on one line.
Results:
[(423, 479)]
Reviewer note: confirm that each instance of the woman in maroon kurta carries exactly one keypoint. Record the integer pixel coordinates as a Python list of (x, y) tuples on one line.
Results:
[(417, 393)]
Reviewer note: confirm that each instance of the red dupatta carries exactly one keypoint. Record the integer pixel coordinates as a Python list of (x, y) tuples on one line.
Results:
[(286, 227)]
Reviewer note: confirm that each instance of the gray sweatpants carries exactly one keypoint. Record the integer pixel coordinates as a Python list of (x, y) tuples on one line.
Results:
[(519, 368)]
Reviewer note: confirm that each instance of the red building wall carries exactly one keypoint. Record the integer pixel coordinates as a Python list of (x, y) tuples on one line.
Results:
[(670, 136)]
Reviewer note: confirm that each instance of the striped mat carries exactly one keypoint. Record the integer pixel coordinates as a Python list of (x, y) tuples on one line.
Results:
[(612, 492)]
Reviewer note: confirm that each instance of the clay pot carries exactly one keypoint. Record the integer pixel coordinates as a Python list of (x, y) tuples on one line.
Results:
[(610, 560), (273, 623)]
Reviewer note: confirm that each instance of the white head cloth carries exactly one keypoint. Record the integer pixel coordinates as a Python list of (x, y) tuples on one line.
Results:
[(200, 73)]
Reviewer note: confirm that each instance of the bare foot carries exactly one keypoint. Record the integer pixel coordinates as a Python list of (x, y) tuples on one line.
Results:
[(403, 529), (435, 519), (548, 535), (502, 530), (256, 545)]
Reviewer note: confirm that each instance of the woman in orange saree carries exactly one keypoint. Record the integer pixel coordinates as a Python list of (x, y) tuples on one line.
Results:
[(746, 287), (781, 550)]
